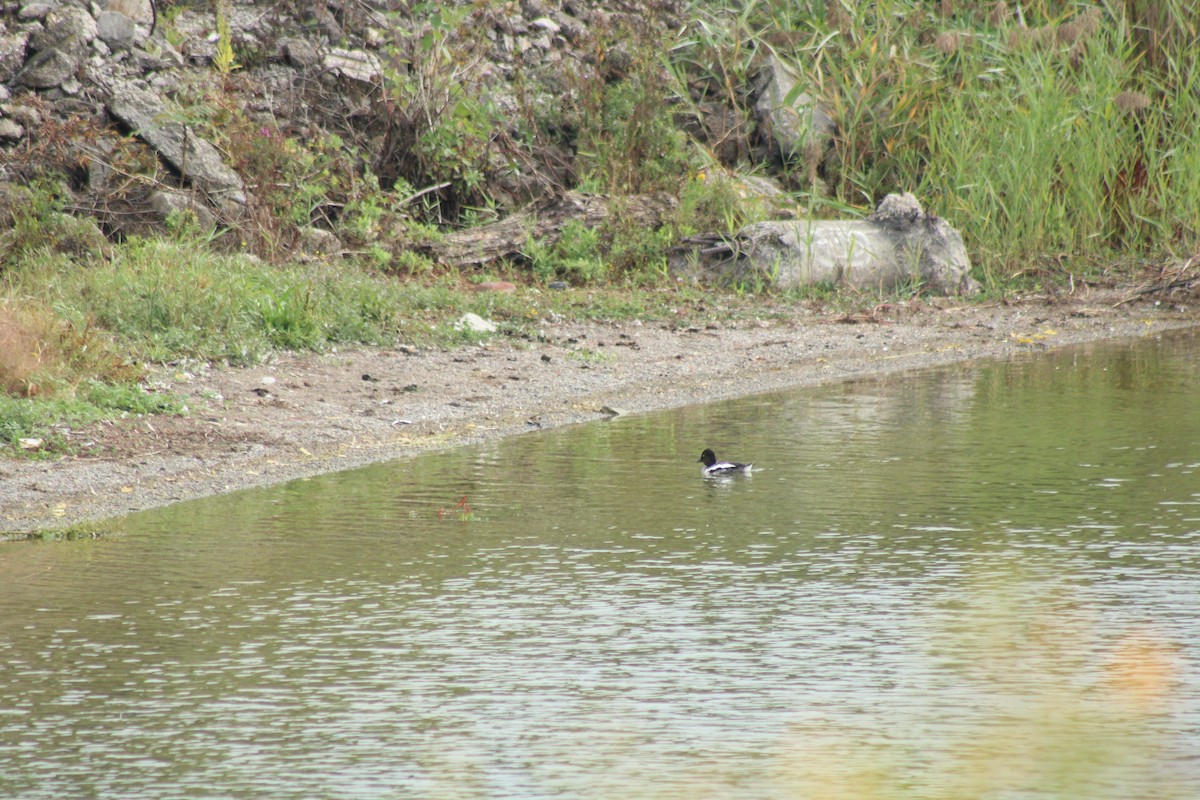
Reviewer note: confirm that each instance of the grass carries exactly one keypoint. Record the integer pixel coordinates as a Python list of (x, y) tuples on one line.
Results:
[(50, 419), (586, 355), (74, 332)]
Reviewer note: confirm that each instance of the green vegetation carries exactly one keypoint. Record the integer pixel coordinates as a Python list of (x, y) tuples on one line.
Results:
[(1062, 139)]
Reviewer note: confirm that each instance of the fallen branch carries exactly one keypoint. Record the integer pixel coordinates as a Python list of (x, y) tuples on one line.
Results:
[(544, 222)]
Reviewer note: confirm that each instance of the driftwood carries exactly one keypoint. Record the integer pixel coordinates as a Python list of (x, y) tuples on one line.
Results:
[(543, 221)]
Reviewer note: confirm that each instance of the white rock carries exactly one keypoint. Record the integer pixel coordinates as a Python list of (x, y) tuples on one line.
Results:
[(474, 322)]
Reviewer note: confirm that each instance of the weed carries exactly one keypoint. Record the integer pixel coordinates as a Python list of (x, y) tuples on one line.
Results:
[(224, 60), (100, 529), (437, 134), (33, 220), (462, 511), (711, 202), (586, 355), (51, 418), (576, 255), (627, 143), (42, 355)]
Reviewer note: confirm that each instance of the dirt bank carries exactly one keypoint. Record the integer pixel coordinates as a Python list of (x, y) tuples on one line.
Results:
[(299, 416)]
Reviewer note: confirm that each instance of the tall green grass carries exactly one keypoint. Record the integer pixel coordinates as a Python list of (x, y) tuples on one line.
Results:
[(1052, 134), (1029, 159), (1042, 160)]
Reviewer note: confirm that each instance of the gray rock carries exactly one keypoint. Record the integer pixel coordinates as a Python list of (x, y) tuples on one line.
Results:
[(897, 245), (158, 54), (35, 10), (300, 53), (140, 11), (10, 131), (12, 54), (164, 203), (194, 158), (791, 117), (60, 47), (928, 245), (99, 165), (357, 65), (897, 211), (48, 69), (66, 28), (758, 186), (319, 242), (115, 29), (5, 94), (27, 116)]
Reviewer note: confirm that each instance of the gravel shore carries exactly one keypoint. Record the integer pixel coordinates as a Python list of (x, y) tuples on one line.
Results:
[(299, 416)]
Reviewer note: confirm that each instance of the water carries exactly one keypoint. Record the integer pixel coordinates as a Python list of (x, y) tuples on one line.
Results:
[(975, 582)]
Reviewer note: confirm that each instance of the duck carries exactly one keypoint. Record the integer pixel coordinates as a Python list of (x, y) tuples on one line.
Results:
[(713, 467)]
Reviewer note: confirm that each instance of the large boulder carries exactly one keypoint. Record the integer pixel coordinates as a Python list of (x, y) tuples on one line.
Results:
[(115, 29), (196, 160), (12, 54), (59, 48), (898, 245)]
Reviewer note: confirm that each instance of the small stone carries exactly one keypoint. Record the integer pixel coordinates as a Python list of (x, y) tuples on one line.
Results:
[(67, 27), (475, 323), (166, 203), (375, 38), (115, 30), (12, 54), (10, 131), (48, 69), (28, 116), (140, 11), (300, 53), (558, 286), (319, 242), (32, 11), (357, 65)]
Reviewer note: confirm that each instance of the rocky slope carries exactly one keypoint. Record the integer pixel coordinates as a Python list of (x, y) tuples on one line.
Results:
[(156, 109)]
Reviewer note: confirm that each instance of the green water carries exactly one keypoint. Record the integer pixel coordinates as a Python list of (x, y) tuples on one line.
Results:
[(974, 582)]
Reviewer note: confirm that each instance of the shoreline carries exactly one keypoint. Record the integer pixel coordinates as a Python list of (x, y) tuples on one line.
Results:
[(298, 416)]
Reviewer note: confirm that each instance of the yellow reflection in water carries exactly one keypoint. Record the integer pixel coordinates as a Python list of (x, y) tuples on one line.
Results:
[(1060, 711)]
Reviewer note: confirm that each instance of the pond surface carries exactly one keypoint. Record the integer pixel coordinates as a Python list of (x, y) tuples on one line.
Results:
[(978, 582)]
